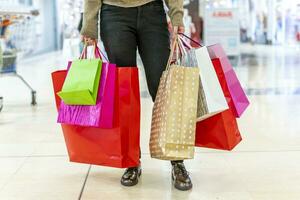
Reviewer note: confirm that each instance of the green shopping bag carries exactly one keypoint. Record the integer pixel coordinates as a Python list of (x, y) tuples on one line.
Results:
[(82, 82)]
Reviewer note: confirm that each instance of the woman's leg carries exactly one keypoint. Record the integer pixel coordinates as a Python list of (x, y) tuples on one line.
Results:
[(119, 36), (153, 43), (154, 48)]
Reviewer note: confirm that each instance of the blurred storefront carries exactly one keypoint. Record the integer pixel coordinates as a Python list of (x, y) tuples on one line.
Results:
[(263, 22)]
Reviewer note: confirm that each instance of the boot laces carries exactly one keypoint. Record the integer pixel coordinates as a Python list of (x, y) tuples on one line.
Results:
[(182, 170)]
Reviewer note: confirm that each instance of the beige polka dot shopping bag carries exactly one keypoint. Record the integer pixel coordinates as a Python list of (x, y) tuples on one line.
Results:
[(175, 112)]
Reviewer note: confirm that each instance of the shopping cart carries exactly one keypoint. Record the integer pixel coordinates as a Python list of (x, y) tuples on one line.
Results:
[(19, 23), (8, 68)]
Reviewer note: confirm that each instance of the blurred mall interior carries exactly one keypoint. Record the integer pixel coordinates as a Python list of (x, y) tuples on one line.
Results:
[(262, 40)]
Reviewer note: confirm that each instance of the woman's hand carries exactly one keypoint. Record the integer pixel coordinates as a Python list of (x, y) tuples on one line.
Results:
[(88, 41), (177, 30)]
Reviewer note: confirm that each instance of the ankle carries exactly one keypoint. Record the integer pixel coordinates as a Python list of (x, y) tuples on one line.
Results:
[(174, 162)]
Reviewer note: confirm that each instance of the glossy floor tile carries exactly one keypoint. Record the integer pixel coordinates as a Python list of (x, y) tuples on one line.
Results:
[(264, 166), (9, 167), (45, 178)]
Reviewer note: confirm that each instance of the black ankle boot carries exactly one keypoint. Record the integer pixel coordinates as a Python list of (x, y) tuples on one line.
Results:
[(131, 176), (180, 176)]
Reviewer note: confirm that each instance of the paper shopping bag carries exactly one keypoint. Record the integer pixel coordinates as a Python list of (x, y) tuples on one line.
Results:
[(82, 82), (218, 132), (233, 91), (211, 100), (114, 147), (174, 113)]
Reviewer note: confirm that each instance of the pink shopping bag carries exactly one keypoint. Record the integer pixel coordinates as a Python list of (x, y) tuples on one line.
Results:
[(99, 115), (233, 91)]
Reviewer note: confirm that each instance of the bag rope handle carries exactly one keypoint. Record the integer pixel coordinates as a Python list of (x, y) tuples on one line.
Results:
[(97, 52), (198, 43)]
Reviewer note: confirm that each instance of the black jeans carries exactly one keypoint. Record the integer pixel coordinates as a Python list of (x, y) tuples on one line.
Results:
[(143, 28)]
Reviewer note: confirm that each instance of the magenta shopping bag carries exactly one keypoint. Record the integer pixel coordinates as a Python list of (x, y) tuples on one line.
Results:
[(99, 115), (233, 91)]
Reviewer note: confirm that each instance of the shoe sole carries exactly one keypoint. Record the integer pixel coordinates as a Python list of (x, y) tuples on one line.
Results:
[(183, 189)]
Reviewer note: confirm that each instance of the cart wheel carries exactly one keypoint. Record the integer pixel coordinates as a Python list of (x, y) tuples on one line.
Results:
[(1, 103), (33, 98)]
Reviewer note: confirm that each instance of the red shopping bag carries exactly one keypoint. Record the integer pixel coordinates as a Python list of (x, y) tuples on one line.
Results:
[(218, 132), (233, 91), (114, 147)]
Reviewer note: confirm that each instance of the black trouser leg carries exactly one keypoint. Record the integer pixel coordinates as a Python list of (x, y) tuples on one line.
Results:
[(118, 34), (153, 42)]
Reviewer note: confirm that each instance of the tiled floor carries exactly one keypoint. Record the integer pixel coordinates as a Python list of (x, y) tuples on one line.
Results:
[(265, 166)]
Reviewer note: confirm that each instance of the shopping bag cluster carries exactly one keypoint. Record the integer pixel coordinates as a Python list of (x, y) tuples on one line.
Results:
[(105, 130), (198, 100)]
